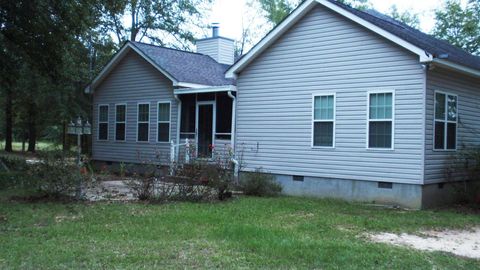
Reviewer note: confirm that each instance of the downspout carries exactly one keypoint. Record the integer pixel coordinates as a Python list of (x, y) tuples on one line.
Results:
[(232, 136), (179, 119)]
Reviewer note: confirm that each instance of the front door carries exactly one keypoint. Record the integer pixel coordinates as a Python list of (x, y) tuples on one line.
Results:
[(205, 128)]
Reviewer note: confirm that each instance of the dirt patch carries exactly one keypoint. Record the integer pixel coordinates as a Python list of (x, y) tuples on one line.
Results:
[(465, 243)]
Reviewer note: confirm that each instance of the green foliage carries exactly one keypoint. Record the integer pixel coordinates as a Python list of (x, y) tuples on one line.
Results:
[(162, 22), (459, 26), (277, 10), (259, 183), (358, 4), (49, 51), (13, 163), (13, 179), (55, 175), (406, 17), (464, 166)]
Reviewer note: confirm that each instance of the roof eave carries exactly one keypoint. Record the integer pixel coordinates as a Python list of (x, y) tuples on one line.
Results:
[(457, 67)]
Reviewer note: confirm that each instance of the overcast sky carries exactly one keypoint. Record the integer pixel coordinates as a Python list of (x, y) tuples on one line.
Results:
[(229, 13)]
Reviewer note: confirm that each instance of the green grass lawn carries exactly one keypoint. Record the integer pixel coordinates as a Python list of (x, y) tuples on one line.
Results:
[(267, 233)]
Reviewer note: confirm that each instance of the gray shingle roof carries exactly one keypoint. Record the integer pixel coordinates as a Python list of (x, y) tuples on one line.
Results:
[(427, 42), (186, 66)]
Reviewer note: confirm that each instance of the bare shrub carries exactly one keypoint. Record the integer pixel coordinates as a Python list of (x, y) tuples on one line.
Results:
[(56, 175), (464, 169), (259, 183)]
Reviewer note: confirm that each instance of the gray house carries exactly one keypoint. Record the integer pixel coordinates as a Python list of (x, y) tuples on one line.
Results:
[(335, 102)]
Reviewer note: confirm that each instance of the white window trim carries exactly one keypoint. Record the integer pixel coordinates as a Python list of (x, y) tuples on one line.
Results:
[(103, 122), (124, 122), (147, 122), (163, 122), (380, 91), (446, 121), (334, 120)]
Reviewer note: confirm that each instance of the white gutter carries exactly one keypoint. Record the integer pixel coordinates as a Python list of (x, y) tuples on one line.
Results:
[(234, 117), (179, 119), (189, 85), (453, 66), (212, 89)]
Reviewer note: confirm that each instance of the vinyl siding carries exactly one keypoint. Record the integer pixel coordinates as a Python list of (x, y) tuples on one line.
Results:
[(326, 53), (220, 49), (133, 81), (209, 47), (468, 91), (226, 51)]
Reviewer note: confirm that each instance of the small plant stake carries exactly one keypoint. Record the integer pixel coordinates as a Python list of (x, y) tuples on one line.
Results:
[(79, 128)]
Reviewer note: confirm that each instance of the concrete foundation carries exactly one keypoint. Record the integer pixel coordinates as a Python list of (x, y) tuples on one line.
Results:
[(404, 195)]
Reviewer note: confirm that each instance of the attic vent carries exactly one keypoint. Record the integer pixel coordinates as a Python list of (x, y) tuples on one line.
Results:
[(297, 178), (385, 185)]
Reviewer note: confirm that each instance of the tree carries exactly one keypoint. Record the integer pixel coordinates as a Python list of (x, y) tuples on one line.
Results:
[(459, 25), (358, 4), (36, 38), (160, 21), (277, 10), (253, 27), (410, 19)]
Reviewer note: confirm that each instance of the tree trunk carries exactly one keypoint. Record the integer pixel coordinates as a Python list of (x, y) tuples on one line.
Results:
[(24, 139), (32, 129), (9, 121), (64, 136)]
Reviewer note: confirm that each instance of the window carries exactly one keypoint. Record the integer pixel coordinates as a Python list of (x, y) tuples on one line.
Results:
[(120, 122), (380, 120), (143, 120), (103, 122), (163, 127), (323, 121), (446, 117)]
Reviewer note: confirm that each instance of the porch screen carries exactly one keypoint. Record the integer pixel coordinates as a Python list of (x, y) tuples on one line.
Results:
[(224, 116), (187, 127)]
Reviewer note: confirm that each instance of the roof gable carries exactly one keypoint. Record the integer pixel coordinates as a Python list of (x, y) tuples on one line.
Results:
[(423, 45), (187, 67), (184, 69)]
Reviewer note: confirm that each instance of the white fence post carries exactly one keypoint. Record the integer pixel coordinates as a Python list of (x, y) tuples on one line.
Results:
[(187, 151), (172, 156)]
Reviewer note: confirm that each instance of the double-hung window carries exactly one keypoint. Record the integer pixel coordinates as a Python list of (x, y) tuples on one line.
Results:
[(103, 122), (163, 126), (324, 121), (381, 110), (120, 121), (446, 117), (143, 122)]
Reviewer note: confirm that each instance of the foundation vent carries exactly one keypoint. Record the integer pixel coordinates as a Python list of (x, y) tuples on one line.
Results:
[(385, 185), (297, 178)]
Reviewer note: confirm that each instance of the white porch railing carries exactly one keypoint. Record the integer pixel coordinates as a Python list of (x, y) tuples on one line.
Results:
[(173, 153), (174, 157)]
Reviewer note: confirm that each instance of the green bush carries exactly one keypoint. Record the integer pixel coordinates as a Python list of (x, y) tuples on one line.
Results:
[(13, 163), (260, 184), (56, 174), (464, 166), (13, 179)]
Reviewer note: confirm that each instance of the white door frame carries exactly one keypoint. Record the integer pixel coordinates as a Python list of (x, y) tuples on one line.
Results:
[(214, 116)]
